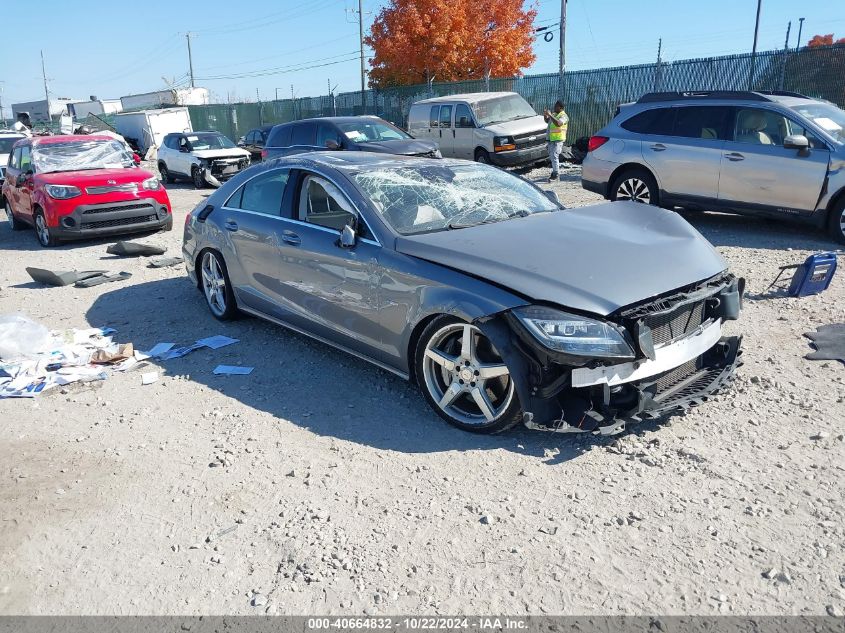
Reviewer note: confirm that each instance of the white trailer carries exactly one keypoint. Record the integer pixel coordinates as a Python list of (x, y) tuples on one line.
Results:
[(95, 106), (173, 96), (148, 127)]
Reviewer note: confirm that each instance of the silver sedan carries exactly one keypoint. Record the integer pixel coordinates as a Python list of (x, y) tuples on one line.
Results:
[(476, 284)]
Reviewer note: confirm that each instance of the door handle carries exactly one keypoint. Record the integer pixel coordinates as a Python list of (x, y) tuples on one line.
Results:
[(734, 156), (658, 147), (289, 237), (231, 225), (453, 133), (441, 133)]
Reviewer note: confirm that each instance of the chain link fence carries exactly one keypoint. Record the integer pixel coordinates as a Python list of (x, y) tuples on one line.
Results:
[(590, 96)]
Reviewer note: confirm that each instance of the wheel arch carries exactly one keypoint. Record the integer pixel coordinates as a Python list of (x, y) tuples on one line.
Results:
[(835, 200), (632, 165)]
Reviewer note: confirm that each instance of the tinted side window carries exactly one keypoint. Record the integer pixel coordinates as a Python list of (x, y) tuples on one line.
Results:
[(280, 136), (26, 159), (463, 117), (326, 132), (262, 194), (304, 134), (15, 160), (433, 119), (250, 138), (706, 122), (656, 121), (446, 116), (323, 204)]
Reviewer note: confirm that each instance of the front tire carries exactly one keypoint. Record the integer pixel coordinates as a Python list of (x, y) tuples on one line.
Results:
[(464, 379), (836, 221), (214, 280), (196, 176), (636, 185), (481, 156), (42, 231)]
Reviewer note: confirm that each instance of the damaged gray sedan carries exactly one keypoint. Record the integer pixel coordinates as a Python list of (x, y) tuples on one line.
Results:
[(477, 285)]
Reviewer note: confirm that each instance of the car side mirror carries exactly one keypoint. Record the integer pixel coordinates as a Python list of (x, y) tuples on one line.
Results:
[(796, 141), (348, 237), (241, 141), (136, 159), (332, 144), (23, 178), (184, 149), (552, 195)]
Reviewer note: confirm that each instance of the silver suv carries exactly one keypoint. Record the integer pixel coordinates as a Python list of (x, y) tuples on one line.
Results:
[(766, 153)]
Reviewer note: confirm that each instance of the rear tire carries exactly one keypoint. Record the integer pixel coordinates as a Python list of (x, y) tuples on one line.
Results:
[(464, 379), (215, 285), (635, 184), (836, 221), (481, 156), (166, 176), (14, 223), (42, 231)]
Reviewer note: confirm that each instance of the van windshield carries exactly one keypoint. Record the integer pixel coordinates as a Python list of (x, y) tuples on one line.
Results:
[(501, 109)]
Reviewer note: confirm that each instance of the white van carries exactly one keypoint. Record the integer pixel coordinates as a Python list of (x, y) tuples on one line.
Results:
[(490, 127)]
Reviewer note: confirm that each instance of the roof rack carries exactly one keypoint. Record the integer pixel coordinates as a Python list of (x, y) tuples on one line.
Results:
[(744, 95)]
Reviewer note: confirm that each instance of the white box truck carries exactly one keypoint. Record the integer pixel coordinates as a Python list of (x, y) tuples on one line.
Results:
[(148, 127)]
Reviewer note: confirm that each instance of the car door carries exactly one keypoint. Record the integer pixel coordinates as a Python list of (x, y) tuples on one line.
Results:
[(330, 290), (303, 138), (446, 138), (759, 173), (12, 173), (252, 221), (23, 200), (327, 132), (463, 133), (683, 147), (181, 155)]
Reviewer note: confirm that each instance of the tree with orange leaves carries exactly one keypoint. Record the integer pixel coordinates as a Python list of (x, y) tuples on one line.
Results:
[(824, 40), (417, 40)]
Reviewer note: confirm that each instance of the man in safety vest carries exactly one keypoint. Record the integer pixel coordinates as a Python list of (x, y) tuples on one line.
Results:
[(558, 121)]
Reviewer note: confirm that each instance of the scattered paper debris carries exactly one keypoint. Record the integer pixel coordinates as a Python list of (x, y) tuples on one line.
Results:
[(216, 342), (149, 378), (157, 350), (232, 370)]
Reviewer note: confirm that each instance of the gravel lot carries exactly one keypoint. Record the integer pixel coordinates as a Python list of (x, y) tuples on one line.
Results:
[(320, 484)]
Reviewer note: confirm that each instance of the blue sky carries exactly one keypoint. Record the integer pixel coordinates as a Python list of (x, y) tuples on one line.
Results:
[(94, 48)]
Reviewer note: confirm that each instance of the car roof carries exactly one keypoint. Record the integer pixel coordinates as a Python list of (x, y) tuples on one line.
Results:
[(471, 97), (335, 119), (72, 138), (777, 96), (355, 161)]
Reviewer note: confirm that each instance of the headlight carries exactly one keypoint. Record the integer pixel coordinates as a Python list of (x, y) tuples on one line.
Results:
[(62, 192), (573, 334), (151, 184), (503, 143)]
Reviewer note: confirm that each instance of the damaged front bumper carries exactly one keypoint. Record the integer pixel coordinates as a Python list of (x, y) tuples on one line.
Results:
[(682, 360), (217, 171)]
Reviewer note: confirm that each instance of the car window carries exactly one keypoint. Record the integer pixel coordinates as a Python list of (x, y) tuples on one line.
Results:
[(704, 122), (434, 117), (262, 194), (304, 134), (323, 204), (326, 132), (250, 138), (758, 126), (280, 136), (658, 121), (363, 130), (15, 160), (446, 116), (463, 116), (26, 158)]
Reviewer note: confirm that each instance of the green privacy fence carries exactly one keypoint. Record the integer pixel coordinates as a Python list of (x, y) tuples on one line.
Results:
[(591, 96)]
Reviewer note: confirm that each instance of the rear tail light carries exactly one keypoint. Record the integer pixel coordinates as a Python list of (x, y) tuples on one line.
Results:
[(263, 154), (595, 142)]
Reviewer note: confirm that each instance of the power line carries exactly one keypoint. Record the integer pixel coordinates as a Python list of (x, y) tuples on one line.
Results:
[(320, 44), (263, 21), (287, 69)]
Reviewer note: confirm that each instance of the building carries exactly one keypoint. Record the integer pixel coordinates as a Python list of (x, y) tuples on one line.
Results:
[(82, 109), (41, 110)]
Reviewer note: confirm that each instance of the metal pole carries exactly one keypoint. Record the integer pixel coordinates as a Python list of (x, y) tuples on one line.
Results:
[(785, 56), (800, 28), (562, 54), (190, 59), (657, 77), (361, 37), (754, 47), (46, 93), (277, 94)]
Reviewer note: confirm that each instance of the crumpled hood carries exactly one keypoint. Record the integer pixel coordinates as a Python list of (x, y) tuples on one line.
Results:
[(595, 259), (234, 152), (534, 124), (403, 147)]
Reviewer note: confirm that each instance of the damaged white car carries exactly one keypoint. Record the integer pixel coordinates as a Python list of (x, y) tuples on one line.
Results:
[(203, 157)]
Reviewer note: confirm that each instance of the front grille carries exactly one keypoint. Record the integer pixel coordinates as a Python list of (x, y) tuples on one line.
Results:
[(523, 141), (119, 222), (130, 187), (673, 325), (125, 207)]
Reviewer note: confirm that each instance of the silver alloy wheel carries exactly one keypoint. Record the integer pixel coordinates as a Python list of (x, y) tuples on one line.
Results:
[(213, 283), (466, 376), (42, 230), (633, 189), (841, 221)]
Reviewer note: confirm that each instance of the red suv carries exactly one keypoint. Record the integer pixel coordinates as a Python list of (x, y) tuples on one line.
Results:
[(71, 187)]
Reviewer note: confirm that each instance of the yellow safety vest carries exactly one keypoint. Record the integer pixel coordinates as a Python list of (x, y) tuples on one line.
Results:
[(558, 132)]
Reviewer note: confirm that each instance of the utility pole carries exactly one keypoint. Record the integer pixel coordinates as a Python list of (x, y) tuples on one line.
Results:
[(2, 117), (562, 55), (361, 38), (46, 93), (658, 69), (800, 28), (190, 59), (785, 55), (754, 47)]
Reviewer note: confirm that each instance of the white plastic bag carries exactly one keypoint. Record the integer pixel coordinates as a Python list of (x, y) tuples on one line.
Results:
[(21, 336)]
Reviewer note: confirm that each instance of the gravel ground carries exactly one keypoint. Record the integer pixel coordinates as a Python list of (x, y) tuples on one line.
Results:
[(320, 484)]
